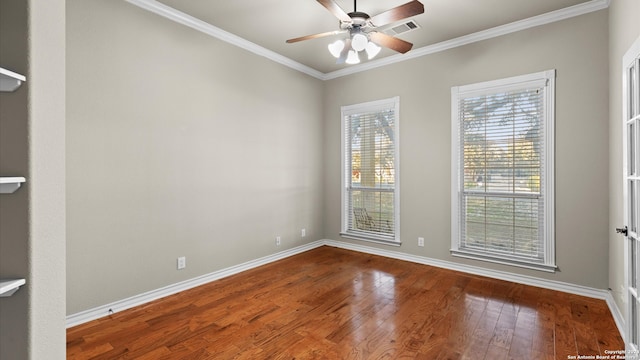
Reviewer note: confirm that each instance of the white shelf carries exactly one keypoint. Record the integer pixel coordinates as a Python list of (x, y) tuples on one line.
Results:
[(9, 185), (9, 286), (10, 81)]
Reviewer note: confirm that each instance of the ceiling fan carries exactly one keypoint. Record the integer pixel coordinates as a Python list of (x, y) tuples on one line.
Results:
[(362, 31)]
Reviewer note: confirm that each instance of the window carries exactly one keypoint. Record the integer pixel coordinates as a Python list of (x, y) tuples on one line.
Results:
[(502, 170), (370, 198)]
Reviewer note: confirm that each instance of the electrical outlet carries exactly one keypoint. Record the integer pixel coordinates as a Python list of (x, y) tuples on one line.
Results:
[(182, 262), (420, 241), (277, 240), (303, 232)]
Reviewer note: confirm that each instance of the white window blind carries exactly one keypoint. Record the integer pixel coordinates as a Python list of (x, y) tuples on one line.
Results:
[(370, 170), (503, 162)]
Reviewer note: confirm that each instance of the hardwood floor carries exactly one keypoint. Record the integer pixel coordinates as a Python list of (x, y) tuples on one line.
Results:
[(331, 303)]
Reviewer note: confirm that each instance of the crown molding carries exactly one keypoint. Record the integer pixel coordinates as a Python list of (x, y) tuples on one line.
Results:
[(550, 17), (204, 27)]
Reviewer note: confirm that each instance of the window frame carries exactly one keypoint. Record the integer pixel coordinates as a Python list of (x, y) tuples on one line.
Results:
[(345, 231), (546, 79)]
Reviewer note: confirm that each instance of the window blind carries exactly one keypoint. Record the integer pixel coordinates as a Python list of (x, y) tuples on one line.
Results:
[(370, 171), (502, 173)]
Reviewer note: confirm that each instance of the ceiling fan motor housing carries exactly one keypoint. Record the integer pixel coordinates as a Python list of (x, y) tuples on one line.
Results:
[(362, 28), (358, 19)]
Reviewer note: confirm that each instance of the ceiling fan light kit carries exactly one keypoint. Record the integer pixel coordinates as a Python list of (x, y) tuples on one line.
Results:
[(359, 42), (372, 50), (363, 35), (353, 58), (335, 48)]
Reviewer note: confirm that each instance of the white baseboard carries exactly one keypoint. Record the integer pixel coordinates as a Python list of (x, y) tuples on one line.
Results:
[(494, 274), (104, 310), (617, 315), (117, 306)]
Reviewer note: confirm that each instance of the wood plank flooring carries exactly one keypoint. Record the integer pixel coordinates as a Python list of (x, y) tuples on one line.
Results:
[(330, 303)]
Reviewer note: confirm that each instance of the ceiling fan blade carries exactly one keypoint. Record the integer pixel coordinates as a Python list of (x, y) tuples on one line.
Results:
[(315, 36), (335, 9), (398, 13), (390, 42)]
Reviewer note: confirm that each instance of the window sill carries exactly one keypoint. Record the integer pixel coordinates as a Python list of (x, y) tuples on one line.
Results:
[(370, 238), (504, 261)]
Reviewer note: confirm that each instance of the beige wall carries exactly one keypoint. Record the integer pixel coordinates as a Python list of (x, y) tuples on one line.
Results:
[(148, 177), (179, 144), (32, 220), (624, 29), (577, 48)]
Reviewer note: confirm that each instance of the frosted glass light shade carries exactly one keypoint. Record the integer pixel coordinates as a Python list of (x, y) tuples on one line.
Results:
[(359, 42), (335, 48), (372, 50), (353, 58)]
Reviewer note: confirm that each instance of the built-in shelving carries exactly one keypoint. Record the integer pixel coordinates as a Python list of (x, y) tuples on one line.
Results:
[(9, 286), (10, 81), (9, 185)]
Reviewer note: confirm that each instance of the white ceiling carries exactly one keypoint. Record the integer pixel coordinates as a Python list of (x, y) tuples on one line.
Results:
[(268, 23)]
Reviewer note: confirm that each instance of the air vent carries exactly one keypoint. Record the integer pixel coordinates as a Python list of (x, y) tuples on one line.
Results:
[(402, 28)]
